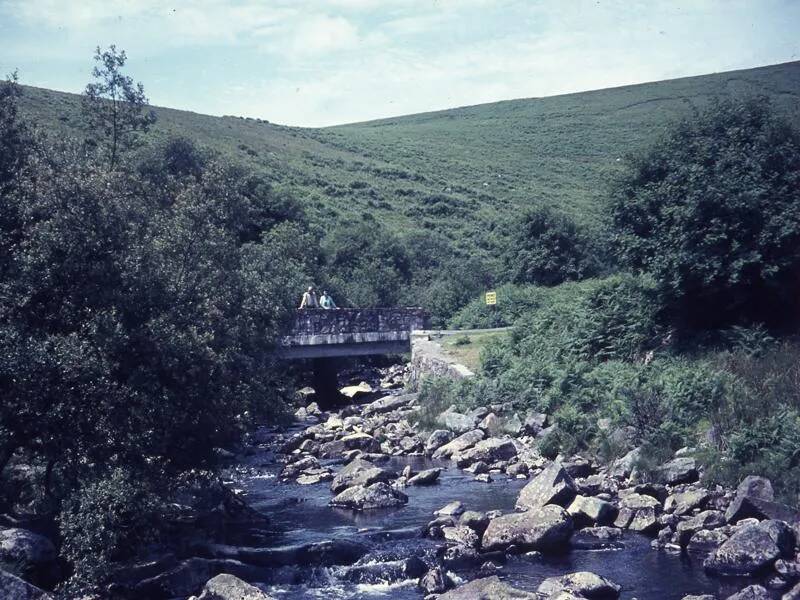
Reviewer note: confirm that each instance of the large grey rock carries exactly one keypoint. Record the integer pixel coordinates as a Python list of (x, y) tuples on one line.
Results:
[(706, 540), (639, 512), (435, 581), (388, 404), (488, 588), (748, 551), (585, 583), (24, 552), (488, 451), (359, 472), (551, 486), (189, 577), (597, 538), (462, 535), (458, 422), (459, 444), (623, 467), (751, 487), (781, 534), (383, 571), (751, 592), (228, 587), (587, 510), (426, 477), (683, 503), (547, 528), (14, 588), (377, 495), (706, 520), (678, 470), (534, 423), (437, 439)]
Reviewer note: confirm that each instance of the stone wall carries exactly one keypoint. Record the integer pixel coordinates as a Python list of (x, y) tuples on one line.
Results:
[(428, 359)]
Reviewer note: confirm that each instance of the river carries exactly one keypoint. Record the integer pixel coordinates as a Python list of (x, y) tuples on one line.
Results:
[(300, 514)]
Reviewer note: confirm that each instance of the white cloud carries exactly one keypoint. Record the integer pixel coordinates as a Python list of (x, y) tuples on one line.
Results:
[(323, 34)]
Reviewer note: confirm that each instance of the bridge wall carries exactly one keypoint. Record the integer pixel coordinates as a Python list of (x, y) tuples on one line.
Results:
[(351, 332)]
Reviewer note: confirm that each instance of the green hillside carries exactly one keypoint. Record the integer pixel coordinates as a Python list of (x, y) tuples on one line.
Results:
[(456, 171)]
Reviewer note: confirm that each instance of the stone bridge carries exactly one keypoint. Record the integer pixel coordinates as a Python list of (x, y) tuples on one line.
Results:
[(319, 333)]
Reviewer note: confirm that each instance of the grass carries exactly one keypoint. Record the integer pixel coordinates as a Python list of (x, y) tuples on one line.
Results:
[(468, 353), (459, 172)]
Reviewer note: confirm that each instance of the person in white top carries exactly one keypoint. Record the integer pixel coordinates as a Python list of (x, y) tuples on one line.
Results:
[(309, 299)]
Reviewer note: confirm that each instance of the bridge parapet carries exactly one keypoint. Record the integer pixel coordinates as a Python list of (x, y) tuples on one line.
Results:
[(351, 331)]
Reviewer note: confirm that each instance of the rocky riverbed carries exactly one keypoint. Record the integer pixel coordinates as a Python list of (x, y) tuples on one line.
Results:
[(360, 502)]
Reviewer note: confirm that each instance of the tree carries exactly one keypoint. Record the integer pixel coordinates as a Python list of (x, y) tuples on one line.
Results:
[(546, 248), (15, 139), (712, 210), (114, 105)]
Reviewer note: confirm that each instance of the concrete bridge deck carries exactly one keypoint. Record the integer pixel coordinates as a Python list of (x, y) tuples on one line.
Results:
[(320, 333)]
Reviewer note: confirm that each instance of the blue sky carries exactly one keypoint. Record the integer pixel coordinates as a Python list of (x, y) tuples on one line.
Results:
[(322, 62)]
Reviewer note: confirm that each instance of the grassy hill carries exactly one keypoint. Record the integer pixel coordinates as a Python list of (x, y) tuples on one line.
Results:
[(457, 171)]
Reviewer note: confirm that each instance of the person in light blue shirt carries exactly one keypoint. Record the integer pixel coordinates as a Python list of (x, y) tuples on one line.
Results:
[(326, 301)]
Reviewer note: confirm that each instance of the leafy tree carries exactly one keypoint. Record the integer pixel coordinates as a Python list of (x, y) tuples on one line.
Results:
[(114, 105), (546, 248), (713, 212), (15, 139)]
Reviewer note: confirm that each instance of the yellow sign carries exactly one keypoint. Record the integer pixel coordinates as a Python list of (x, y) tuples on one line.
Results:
[(491, 298)]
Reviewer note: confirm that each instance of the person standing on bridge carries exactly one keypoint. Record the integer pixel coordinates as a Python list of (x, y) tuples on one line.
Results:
[(326, 301), (309, 299)]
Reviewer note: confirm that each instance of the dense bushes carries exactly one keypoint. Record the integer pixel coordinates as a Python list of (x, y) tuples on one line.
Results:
[(713, 213), (546, 248), (138, 308)]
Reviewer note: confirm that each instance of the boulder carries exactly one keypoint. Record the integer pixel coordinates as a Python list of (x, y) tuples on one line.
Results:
[(751, 592), (459, 444), (14, 588), (792, 594), (534, 423), (551, 486), (488, 451), (355, 391), (512, 425), (547, 528), (455, 421), (706, 540), (584, 583), (359, 472), (487, 588), (383, 571), (747, 552), (377, 495), (751, 488), (639, 512), (477, 521), (706, 520), (587, 510), (437, 439), (189, 576), (781, 534), (228, 587), (679, 470), (25, 553), (426, 477), (623, 467), (451, 509), (388, 404), (683, 503), (461, 535), (597, 538), (435, 581)]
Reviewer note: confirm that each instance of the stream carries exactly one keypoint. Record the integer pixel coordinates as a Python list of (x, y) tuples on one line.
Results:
[(300, 514)]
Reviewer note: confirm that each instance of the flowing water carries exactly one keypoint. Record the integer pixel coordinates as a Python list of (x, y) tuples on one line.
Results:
[(301, 514)]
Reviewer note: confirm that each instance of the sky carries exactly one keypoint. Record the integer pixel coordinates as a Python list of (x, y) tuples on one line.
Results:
[(324, 62)]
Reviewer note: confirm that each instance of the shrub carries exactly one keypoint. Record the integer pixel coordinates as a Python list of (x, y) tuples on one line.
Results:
[(108, 520), (713, 212), (546, 248)]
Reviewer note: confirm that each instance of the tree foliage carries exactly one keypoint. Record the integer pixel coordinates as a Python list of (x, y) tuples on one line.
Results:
[(547, 248), (713, 212), (113, 105)]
